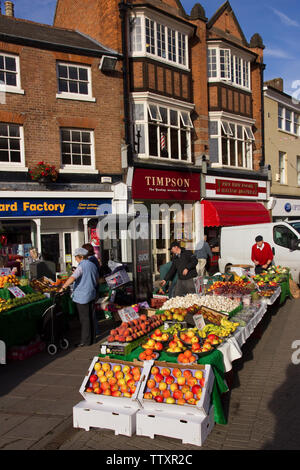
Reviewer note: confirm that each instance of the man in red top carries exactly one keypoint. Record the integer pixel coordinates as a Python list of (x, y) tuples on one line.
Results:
[(261, 255)]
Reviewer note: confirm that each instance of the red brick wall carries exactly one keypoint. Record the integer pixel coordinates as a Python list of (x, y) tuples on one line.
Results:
[(42, 113)]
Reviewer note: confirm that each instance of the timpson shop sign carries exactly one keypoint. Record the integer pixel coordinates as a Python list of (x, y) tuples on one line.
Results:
[(165, 185)]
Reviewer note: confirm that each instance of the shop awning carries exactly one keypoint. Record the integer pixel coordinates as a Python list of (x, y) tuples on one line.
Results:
[(227, 213)]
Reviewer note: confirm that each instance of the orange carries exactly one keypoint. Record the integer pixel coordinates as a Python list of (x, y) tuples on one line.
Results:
[(187, 353), (149, 352)]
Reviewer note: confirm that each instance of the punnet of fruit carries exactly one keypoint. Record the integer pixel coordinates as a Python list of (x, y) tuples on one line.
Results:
[(111, 379), (9, 280), (174, 386), (130, 331)]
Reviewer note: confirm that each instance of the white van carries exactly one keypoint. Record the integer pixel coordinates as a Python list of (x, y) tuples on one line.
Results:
[(284, 237)]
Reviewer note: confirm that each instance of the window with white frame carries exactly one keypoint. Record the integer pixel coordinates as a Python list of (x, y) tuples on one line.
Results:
[(231, 144), (288, 120), (148, 36), (74, 81), (11, 144), (161, 131), (282, 167), (10, 73), (77, 148), (224, 64)]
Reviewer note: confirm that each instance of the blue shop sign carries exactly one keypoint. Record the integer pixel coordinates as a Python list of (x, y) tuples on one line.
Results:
[(27, 207)]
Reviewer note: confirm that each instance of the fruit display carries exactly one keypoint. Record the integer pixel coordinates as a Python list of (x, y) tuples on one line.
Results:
[(46, 286), (159, 335), (232, 289), (189, 336), (9, 280), (148, 355), (130, 331), (271, 277), (113, 379), (187, 357), (175, 346), (18, 301), (174, 314), (225, 329), (174, 385), (216, 302)]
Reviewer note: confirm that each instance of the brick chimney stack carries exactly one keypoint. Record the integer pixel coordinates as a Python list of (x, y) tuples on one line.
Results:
[(9, 9)]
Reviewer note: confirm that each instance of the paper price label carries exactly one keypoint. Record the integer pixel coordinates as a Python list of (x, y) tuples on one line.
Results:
[(199, 321), (128, 314), (16, 292), (5, 271)]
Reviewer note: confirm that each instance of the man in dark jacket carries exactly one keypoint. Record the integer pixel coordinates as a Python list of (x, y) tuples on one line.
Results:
[(184, 264)]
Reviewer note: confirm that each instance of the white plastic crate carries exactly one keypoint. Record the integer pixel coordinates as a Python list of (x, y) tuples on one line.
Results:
[(121, 420), (201, 406), (107, 399), (190, 428)]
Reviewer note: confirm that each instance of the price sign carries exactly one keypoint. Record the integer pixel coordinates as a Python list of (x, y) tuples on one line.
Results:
[(5, 271), (199, 321), (128, 314), (17, 292)]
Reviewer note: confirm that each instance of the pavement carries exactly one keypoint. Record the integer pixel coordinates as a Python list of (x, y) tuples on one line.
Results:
[(262, 406)]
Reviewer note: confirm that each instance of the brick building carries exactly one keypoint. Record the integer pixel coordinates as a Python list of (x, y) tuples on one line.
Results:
[(193, 112), (59, 107)]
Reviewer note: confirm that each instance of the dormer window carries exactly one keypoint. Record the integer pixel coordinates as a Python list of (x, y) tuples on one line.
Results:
[(152, 37)]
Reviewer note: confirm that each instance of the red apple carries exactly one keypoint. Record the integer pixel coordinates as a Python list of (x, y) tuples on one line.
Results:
[(158, 378), (93, 378), (165, 372), (195, 389), (159, 398), (177, 394), (151, 383)]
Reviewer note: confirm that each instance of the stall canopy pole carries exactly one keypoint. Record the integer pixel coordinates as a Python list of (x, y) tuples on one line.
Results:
[(38, 234)]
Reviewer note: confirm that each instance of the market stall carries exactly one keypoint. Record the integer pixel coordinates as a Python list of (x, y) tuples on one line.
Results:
[(185, 333), (22, 305)]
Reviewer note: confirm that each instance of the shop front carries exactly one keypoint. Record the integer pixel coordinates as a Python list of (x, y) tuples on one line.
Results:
[(168, 199), (230, 202), (54, 225), (285, 208)]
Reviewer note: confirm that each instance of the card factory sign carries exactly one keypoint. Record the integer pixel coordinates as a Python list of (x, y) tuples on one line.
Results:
[(216, 187), (53, 207), (167, 185)]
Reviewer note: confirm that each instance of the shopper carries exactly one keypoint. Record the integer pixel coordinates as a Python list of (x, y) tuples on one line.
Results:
[(261, 255), (91, 256), (86, 280), (184, 264), (34, 256), (3, 264), (202, 253)]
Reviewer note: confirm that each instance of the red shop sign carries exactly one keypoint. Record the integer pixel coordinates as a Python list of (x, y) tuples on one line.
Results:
[(166, 185)]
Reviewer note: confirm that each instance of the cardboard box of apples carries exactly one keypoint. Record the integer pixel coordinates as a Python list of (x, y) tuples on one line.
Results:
[(170, 387), (112, 381)]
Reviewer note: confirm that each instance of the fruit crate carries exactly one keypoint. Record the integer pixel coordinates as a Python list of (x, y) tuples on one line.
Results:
[(201, 406), (123, 349), (102, 398), (157, 302), (191, 429), (121, 420)]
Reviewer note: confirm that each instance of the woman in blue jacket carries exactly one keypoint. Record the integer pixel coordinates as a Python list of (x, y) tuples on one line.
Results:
[(86, 281)]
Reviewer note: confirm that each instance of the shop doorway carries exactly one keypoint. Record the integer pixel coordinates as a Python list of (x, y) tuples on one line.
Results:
[(160, 235), (57, 247)]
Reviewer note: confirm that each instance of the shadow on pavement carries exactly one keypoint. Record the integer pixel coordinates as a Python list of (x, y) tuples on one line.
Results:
[(15, 372), (285, 405)]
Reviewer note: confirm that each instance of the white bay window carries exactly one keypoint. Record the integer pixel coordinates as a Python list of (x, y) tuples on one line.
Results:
[(231, 143), (161, 41), (226, 65), (161, 131)]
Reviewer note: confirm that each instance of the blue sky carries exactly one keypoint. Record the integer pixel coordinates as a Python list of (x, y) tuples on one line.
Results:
[(276, 21)]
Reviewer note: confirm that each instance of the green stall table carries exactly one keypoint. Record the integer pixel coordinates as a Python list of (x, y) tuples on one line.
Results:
[(215, 359), (20, 325)]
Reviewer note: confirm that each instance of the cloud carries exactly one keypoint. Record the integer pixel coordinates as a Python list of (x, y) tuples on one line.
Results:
[(285, 19), (277, 53)]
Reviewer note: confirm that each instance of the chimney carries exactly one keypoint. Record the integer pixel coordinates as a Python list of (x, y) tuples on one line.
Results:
[(9, 9), (275, 83)]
